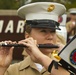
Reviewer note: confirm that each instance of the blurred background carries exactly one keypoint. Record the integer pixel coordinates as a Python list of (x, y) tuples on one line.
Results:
[(15, 4), (12, 27)]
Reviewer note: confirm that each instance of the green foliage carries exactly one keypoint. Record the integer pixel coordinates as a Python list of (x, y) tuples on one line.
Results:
[(42, 0), (72, 5), (15, 4), (9, 4)]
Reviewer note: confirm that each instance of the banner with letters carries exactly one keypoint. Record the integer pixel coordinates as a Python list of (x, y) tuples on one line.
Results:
[(12, 28)]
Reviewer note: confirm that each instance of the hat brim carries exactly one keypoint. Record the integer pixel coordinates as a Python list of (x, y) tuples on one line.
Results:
[(43, 24)]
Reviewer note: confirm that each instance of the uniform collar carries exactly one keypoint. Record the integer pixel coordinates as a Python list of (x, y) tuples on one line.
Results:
[(26, 63)]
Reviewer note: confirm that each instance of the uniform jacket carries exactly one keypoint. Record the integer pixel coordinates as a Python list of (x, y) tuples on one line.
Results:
[(25, 67)]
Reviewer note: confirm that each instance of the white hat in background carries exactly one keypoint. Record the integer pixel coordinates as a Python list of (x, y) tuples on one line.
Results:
[(72, 10), (41, 13)]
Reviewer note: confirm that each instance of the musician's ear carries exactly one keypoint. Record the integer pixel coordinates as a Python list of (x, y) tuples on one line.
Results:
[(26, 35)]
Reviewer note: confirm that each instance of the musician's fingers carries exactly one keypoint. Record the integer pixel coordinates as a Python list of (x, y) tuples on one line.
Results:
[(28, 40), (11, 51), (35, 42)]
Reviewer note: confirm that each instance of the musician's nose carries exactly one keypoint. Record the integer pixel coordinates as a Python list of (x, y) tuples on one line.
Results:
[(50, 36)]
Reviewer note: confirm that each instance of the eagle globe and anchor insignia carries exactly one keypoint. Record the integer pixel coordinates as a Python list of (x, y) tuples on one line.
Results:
[(73, 57)]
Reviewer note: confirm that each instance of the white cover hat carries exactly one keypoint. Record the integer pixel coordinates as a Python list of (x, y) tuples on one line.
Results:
[(72, 10), (41, 10)]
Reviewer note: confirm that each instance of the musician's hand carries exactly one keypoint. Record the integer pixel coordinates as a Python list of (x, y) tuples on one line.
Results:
[(5, 56), (32, 49)]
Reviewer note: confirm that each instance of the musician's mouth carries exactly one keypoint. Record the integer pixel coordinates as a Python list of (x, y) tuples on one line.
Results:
[(48, 44)]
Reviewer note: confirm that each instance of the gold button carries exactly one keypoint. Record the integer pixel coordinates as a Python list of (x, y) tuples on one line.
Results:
[(51, 8)]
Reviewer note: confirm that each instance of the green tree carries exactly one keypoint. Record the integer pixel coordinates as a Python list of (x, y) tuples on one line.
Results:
[(9, 4)]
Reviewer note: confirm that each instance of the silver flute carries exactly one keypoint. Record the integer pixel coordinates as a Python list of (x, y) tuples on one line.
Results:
[(21, 45)]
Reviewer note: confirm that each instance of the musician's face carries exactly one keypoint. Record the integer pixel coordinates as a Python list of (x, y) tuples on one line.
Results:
[(44, 36), (73, 16)]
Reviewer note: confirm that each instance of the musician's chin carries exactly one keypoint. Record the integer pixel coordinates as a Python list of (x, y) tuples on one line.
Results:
[(46, 51)]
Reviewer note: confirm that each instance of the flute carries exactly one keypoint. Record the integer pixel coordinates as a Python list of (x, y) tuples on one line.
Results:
[(21, 45)]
